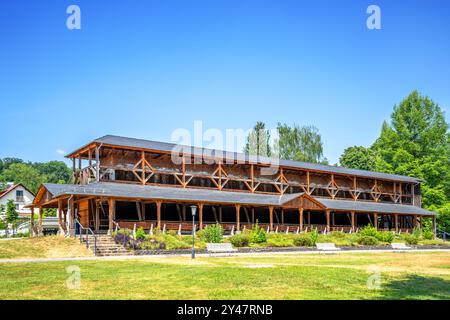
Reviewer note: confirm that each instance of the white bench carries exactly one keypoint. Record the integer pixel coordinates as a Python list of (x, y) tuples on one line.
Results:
[(399, 246), (220, 248), (327, 247)]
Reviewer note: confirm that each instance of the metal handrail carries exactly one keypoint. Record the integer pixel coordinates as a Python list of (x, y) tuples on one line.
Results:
[(88, 230)]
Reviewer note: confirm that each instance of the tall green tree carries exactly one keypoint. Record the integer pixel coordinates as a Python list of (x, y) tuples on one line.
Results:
[(258, 141), (23, 173), (416, 142), (299, 143), (358, 157), (11, 214)]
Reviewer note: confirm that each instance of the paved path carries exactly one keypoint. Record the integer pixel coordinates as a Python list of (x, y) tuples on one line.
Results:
[(242, 254)]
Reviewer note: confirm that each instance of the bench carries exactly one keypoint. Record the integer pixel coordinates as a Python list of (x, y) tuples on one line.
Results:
[(327, 247), (399, 246), (220, 248)]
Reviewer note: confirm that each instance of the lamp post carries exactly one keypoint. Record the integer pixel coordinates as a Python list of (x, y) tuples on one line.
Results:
[(193, 210)]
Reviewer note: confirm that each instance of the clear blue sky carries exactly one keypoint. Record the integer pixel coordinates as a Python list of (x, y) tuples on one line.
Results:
[(145, 68)]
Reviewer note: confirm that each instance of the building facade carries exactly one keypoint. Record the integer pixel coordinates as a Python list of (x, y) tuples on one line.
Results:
[(127, 182), (21, 197)]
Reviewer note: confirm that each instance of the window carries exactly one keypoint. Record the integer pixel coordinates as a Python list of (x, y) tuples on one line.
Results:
[(17, 206), (19, 195)]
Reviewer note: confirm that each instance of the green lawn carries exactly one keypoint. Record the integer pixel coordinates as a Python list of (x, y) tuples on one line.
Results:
[(341, 276), (42, 247)]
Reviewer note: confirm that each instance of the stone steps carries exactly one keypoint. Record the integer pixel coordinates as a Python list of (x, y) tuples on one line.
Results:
[(106, 246)]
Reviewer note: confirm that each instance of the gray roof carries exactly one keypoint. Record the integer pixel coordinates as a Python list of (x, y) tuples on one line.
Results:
[(169, 193), (149, 192), (233, 156), (365, 206)]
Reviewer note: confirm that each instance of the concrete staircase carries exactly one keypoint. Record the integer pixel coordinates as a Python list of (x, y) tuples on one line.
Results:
[(106, 246)]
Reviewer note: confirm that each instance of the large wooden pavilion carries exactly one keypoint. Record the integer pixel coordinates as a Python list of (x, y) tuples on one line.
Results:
[(132, 182)]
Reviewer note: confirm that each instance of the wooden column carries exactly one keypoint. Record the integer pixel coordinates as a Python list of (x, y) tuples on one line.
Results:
[(32, 221), (97, 163), (353, 220), (253, 215), (200, 215), (183, 212), (238, 217), (309, 218), (327, 213), (333, 218), (60, 214), (65, 218), (158, 214), (396, 222), (301, 218), (220, 214), (111, 209), (375, 220), (282, 216), (74, 171), (40, 222), (270, 218), (97, 215)]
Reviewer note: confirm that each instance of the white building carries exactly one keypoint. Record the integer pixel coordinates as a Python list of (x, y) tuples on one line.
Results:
[(21, 197)]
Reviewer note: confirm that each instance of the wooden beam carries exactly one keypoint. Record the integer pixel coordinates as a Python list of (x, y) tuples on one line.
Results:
[(353, 220), (327, 213), (396, 222), (200, 215), (111, 210), (301, 218), (238, 216), (158, 214), (271, 218), (307, 183)]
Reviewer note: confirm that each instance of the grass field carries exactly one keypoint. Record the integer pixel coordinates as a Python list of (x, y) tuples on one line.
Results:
[(42, 247), (313, 276)]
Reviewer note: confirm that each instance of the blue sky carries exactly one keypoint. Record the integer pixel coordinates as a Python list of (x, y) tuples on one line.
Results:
[(145, 68)]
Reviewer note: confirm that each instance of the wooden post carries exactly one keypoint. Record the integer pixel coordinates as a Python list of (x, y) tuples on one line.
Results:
[(143, 167), (220, 214), (301, 218), (60, 213), (253, 215), (183, 212), (327, 212), (271, 218), (97, 163), (353, 220), (158, 214), (333, 219), (65, 218), (74, 171), (200, 215), (282, 216), (396, 222), (41, 230), (309, 218), (238, 216), (97, 216), (111, 209), (32, 222), (307, 183), (375, 220)]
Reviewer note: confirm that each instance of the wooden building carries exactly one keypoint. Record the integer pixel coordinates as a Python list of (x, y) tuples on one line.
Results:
[(128, 182)]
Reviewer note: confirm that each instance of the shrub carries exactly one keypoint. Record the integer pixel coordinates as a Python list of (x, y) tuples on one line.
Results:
[(213, 234), (240, 240), (140, 234), (258, 235), (385, 236), (303, 240), (314, 234), (410, 238), (428, 235), (367, 241), (152, 244), (280, 240), (368, 231), (338, 234)]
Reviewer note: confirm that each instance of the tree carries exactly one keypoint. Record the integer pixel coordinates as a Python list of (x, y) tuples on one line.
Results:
[(258, 141), (417, 143), (299, 143), (358, 157), (24, 173), (54, 171), (11, 213)]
